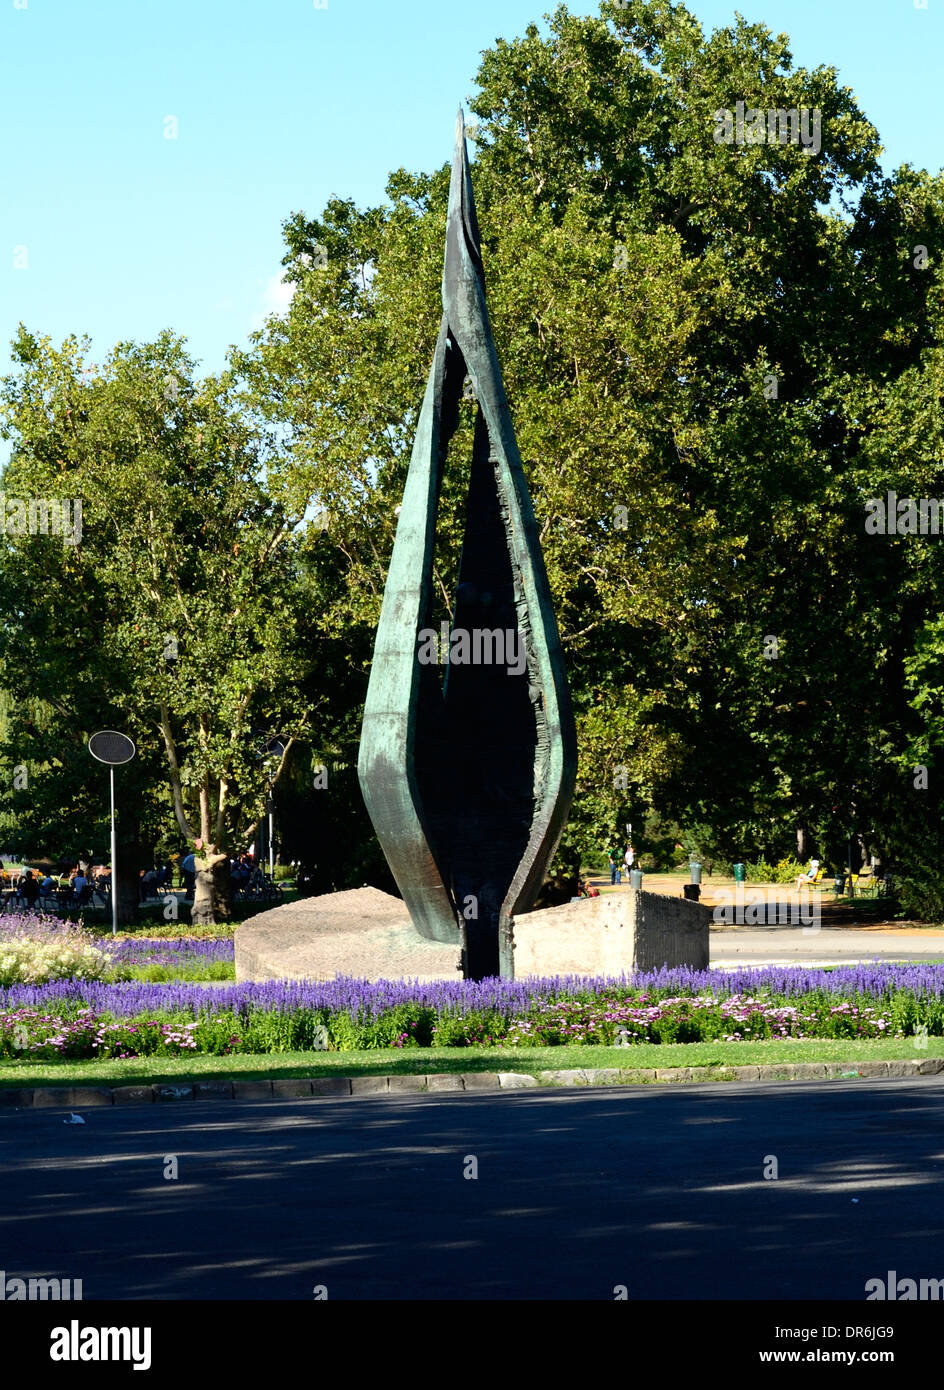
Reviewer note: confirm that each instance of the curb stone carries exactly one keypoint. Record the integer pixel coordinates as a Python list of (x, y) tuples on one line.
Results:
[(133, 1095), (369, 1085), (183, 1091), (252, 1090), (445, 1081), (329, 1085), (406, 1083), (291, 1088), (213, 1090), (476, 1081), (21, 1099), (297, 1088)]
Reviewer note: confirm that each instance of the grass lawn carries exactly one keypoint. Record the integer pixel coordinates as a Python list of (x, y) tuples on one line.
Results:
[(161, 931), (152, 923), (216, 971), (413, 1061)]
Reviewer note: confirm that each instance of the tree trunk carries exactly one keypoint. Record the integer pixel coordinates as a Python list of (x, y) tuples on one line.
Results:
[(211, 897), (803, 845), (129, 852), (128, 893)]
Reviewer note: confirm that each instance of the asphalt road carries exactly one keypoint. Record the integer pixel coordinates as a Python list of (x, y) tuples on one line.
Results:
[(658, 1189)]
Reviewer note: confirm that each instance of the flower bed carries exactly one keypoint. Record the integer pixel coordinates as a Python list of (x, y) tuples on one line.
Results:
[(36, 949), (89, 1018), (179, 952)]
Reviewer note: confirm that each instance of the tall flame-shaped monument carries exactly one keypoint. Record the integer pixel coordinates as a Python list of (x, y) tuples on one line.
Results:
[(468, 779)]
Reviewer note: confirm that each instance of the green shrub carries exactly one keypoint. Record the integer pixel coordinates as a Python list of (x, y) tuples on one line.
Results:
[(477, 1028), (784, 871)]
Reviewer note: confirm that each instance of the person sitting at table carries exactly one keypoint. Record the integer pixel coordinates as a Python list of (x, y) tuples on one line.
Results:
[(79, 884), (29, 890)]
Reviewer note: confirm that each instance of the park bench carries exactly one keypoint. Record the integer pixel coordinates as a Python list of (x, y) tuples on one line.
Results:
[(863, 884)]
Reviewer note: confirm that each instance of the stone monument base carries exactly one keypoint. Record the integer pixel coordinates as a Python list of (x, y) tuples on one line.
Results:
[(368, 934), (613, 934), (361, 932)]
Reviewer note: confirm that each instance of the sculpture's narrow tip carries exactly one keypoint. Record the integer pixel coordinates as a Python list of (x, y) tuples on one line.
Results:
[(462, 238)]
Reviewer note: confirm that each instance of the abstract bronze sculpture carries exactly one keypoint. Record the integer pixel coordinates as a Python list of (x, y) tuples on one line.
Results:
[(468, 782)]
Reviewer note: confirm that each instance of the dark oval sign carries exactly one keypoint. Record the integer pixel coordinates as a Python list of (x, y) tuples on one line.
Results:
[(108, 746)]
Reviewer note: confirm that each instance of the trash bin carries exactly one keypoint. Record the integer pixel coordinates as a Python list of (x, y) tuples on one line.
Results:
[(635, 879), (740, 873), (695, 871)]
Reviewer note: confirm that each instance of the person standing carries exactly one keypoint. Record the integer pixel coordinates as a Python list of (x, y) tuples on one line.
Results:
[(616, 867), (188, 868), (629, 859)]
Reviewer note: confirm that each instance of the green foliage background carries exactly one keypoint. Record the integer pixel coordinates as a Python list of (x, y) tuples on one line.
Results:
[(646, 286)]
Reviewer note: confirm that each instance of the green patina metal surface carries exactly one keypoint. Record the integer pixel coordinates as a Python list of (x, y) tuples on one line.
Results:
[(468, 780)]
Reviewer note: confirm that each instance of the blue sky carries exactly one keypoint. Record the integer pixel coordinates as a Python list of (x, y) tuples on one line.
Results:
[(279, 106)]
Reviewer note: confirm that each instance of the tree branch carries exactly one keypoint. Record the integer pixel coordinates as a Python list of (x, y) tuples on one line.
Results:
[(163, 725)]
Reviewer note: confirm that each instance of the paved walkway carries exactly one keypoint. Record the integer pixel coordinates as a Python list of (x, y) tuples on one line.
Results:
[(736, 946), (787, 942)]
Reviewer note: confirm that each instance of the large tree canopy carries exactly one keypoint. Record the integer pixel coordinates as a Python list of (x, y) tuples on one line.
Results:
[(174, 615), (715, 354)]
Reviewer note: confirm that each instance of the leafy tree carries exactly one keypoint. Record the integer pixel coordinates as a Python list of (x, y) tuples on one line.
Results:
[(674, 317), (175, 617), (715, 354)]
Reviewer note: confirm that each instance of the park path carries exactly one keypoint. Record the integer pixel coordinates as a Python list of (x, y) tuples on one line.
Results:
[(835, 940)]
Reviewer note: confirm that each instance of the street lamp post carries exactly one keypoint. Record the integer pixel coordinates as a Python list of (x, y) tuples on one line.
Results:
[(274, 748), (112, 748)]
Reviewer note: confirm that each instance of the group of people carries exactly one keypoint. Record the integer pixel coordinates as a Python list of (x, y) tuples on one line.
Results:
[(620, 861), (154, 880), (84, 880), (76, 884), (244, 872)]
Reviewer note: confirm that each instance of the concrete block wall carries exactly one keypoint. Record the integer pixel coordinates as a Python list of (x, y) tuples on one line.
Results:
[(614, 934)]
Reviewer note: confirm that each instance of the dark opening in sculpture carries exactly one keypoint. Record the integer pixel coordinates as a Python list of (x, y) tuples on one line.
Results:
[(468, 780)]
